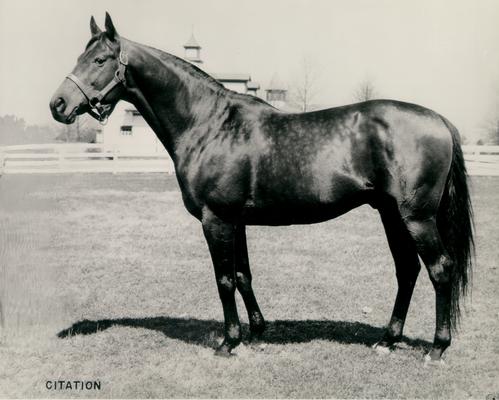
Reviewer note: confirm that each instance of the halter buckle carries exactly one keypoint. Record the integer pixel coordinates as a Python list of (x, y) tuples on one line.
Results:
[(123, 57), (94, 102)]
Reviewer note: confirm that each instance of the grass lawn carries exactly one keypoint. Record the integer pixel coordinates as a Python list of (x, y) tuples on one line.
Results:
[(120, 253)]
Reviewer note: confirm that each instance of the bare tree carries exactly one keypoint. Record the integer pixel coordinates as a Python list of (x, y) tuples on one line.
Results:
[(491, 125), (365, 91), (305, 88), (15, 130), (493, 131)]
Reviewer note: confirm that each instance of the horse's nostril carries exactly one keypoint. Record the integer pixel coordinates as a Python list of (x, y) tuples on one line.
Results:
[(60, 104)]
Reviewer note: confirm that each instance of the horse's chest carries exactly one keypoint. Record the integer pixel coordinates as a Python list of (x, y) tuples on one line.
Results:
[(218, 182)]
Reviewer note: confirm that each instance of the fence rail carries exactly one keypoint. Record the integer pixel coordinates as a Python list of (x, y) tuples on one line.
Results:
[(482, 160), (84, 157), (80, 157)]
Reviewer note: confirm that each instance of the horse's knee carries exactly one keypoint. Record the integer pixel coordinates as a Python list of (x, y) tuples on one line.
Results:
[(226, 286), (243, 282)]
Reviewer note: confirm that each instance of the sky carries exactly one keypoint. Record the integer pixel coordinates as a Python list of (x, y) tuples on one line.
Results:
[(441, 54)]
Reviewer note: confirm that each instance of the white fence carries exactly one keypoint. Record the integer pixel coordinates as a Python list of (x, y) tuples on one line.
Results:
[(79, 157), (482, 160), (82, 157)]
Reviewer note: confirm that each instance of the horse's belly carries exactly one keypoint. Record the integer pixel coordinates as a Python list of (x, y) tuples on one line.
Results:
[(290, 213), (287, 199)]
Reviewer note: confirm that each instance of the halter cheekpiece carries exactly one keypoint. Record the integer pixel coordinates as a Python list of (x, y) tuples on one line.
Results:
[(94, 97)]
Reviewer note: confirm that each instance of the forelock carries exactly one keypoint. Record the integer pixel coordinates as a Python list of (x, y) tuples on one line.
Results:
[(92, 40)]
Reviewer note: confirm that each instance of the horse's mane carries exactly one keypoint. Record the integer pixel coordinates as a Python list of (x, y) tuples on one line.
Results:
[(198, 73)]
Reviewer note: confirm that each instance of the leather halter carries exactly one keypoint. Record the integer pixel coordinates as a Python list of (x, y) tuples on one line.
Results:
[(94, 97)]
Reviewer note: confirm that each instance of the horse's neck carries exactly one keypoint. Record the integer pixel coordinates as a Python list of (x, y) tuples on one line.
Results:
[(171, 94)]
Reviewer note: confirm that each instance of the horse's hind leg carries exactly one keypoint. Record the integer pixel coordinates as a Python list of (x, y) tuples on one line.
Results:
[(432, 251), (243, 282), (407, 267)]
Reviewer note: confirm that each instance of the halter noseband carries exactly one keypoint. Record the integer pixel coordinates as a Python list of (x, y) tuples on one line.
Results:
[(94, 97)]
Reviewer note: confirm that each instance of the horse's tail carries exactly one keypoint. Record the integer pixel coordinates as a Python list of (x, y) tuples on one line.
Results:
[(455, 225)]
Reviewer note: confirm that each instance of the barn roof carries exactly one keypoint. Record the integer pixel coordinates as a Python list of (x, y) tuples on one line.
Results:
[(253, 85), (192, 43), (231, 77)]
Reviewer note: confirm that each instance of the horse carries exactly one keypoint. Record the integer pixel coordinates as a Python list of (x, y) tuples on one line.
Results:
[(239, 161)]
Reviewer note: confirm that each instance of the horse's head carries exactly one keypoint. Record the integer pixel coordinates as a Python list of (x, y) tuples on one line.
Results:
[(97, 80)]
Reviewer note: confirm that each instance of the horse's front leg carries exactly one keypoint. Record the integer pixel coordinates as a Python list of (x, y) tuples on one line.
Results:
[(221, 242), (243, 283)]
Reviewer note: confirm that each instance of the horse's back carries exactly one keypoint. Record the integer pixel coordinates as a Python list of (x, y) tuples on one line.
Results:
[(346, 154)]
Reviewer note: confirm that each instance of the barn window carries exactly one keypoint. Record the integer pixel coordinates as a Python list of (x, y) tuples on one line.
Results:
[(126, 130)]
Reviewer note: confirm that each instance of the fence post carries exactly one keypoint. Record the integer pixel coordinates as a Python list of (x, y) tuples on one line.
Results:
[(60, 157), (2, 161)]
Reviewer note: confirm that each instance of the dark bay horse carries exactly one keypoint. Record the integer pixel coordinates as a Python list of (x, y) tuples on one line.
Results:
[(239, 162)]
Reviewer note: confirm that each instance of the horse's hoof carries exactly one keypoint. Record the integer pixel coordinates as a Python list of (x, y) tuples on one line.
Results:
[(223, 351), (428, 362), (381, 349), (258, 345)]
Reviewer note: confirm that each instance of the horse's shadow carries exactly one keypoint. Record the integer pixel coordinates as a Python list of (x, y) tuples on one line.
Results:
[(206, 332)]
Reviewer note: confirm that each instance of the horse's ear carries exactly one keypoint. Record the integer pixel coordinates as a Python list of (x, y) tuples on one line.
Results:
[(94, 29), (110, 29)]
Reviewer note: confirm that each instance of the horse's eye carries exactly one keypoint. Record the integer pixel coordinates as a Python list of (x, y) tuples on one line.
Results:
[(99, 61)]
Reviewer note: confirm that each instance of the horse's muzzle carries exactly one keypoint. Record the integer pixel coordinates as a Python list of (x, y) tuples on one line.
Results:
[(62, 112)]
